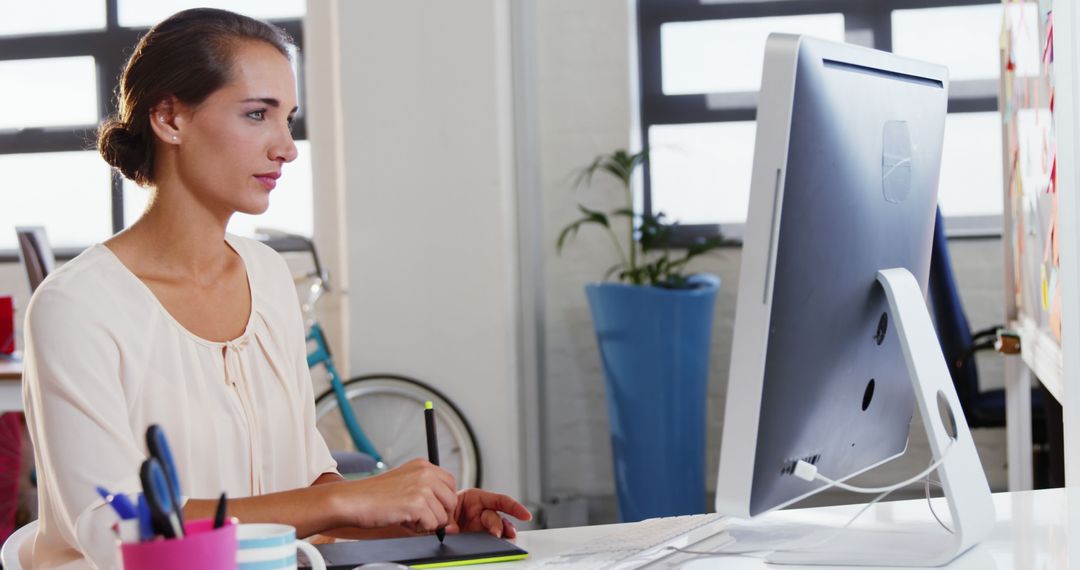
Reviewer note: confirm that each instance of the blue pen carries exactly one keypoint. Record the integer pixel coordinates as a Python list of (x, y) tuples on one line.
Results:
[(146, 525), (158, 447), (120, 503)]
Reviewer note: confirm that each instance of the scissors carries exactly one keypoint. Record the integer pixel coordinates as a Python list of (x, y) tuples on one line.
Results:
[(158, 447), (159, 498)]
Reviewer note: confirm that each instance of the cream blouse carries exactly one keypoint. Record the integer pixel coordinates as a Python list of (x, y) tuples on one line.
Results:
[(104, 360)]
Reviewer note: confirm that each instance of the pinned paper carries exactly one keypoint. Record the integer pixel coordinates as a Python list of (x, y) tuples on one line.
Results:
[(1048, 250), (1055, 314), (1052, 284), (1055, 253), (1048, 49), (1045, 288), (1052, 188)]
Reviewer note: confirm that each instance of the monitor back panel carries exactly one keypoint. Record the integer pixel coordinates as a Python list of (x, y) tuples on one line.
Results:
[(859, 195)]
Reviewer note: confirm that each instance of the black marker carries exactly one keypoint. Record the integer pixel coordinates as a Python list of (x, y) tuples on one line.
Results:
[(432, 449), (219, 515)]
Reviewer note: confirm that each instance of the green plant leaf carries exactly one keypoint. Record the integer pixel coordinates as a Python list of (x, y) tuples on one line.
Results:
[(654, 234), (621, 164), (591, 217), (611, 271), (594, 216)]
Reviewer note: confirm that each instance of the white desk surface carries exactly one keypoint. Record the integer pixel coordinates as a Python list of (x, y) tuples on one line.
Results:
[(1034, 530)]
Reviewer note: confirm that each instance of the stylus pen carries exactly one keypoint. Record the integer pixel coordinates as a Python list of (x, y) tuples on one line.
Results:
[(432, 449)]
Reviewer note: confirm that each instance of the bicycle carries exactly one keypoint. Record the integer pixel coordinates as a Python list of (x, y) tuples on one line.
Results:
[(374, 422)]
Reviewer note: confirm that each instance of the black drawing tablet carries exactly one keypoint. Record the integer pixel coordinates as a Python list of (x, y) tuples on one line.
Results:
[(421, 551)]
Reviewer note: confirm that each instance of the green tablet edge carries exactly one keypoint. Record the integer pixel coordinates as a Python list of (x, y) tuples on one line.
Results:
[(510, 558)]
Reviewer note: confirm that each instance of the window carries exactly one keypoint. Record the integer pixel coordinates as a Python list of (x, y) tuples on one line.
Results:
[(60, 61), (700, 68)]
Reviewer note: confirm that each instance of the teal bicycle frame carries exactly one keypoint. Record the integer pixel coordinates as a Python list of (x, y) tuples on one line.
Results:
[(321, 355)]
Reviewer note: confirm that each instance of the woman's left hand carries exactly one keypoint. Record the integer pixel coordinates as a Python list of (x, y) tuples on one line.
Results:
[(479, 511)]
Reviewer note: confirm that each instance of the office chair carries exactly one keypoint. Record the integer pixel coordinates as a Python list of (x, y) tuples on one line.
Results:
[(959, 346), (35, 253)]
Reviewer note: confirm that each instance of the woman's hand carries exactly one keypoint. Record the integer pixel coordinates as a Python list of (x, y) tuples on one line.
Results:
[(418, 496), (478, 511)]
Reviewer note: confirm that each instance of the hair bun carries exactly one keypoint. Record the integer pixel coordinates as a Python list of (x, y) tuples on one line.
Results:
[(124, 151)]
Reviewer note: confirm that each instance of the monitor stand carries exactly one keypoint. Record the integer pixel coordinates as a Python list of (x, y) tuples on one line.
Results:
[(961, 473)]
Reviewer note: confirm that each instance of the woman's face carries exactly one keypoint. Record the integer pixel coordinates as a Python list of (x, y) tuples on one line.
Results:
[(233, 145)]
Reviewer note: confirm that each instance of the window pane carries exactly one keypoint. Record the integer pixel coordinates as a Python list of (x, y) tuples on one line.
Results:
[(135, 200), (723, 56), (48, 92), (971, 175), (966, 39), (35, 184), (700, 174), (142, 14), (42, 16), (291, 207)]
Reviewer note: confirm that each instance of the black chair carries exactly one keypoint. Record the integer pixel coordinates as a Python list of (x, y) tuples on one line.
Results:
[(959, 345), (36, 254)]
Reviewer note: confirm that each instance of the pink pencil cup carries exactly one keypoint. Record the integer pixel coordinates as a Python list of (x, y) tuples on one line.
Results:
[(203, 547)]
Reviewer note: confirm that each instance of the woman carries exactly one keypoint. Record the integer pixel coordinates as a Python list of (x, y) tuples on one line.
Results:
[(177, 323)]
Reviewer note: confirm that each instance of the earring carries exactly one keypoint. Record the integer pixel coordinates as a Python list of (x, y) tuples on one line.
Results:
[(174, 138), (162, 119)]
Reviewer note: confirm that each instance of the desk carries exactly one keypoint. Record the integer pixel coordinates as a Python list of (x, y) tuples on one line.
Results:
[(10, 385), (1034, 530)]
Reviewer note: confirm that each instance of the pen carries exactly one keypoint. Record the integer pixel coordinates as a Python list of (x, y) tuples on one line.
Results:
[(119, 503), (432, 449), (146, 526), (219, 514)]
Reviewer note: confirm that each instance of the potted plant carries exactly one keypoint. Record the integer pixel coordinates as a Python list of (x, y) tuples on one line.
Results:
[(653, 326)]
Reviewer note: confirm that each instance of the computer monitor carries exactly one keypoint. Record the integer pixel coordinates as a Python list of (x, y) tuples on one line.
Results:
[(844, 185)]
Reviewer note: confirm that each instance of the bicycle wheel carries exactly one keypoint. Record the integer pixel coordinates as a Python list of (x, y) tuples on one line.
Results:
[(390, 410)]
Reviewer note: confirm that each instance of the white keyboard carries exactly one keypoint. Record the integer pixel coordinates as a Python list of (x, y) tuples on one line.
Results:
[(640, 544)]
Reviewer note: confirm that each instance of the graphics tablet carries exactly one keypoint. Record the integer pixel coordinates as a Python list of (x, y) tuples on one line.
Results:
[(421, 551)]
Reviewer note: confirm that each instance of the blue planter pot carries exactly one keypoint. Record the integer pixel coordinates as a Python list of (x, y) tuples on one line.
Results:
[(654, 347)]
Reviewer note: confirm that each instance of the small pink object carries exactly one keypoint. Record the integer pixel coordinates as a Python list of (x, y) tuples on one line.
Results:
[(7, 324), (203, 547)]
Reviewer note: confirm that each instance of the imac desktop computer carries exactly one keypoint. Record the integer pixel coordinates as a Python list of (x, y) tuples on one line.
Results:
[(833, 345)]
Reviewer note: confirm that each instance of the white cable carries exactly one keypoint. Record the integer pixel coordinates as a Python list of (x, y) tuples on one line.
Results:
[(820, 539), (808, 472), (930, 504)]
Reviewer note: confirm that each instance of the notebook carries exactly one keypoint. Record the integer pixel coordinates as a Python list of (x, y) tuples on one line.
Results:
[(421, 551)]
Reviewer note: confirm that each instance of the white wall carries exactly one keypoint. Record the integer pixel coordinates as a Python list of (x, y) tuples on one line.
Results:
[(428, 205)]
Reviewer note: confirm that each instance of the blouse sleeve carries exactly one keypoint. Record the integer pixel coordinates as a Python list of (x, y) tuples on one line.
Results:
[(319, 460), (78, 419)]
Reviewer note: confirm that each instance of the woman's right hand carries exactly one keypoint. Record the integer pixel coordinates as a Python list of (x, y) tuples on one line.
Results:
[(416, 495)]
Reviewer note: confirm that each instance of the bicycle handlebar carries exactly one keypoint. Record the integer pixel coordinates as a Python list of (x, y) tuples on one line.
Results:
[(285, 242)]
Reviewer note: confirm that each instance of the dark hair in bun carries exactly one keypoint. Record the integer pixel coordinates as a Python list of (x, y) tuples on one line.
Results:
[(187, 56)]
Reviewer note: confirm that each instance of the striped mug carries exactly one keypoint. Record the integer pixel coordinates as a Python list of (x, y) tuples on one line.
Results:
[(272, 547)]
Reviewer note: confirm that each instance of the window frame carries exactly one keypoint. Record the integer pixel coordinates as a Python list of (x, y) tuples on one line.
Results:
[(863, 21), (110, 47)]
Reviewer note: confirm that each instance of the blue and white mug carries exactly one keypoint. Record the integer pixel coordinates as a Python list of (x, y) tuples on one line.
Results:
[(272, 547)]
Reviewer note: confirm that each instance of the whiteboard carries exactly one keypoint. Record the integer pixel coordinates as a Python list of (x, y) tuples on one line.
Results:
[(1032, 224)]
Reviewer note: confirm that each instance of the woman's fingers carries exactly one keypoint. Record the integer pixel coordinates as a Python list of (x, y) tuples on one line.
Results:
[(492, 522), (446, 497)]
